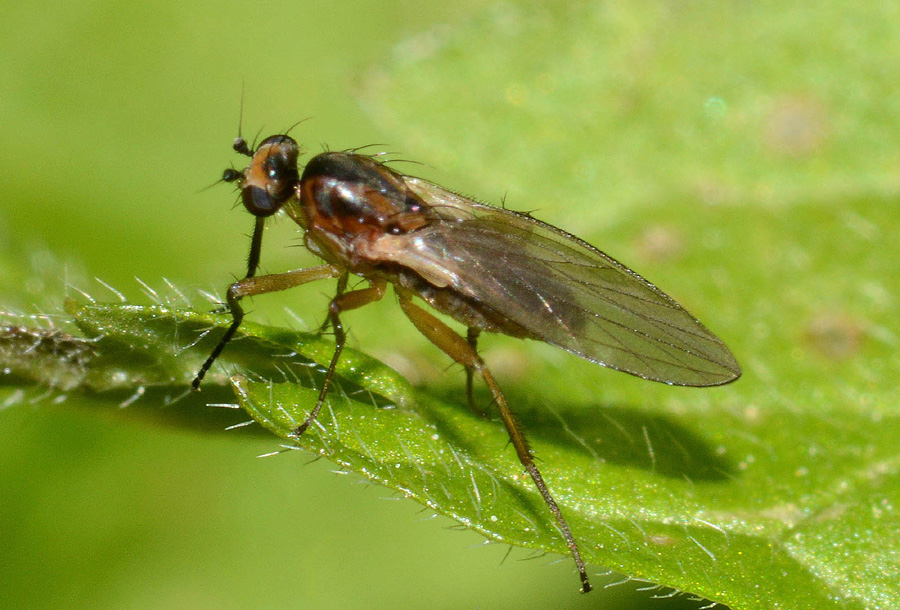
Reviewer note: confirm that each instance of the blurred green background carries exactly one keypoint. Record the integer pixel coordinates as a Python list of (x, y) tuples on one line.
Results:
[(115, 117)]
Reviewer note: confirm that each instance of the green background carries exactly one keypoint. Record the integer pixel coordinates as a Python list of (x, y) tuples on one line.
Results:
[(742, 156)]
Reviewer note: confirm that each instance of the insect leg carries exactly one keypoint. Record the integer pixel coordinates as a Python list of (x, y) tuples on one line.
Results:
[(472, 338), (341, 287), (252, 258), (462, 351), (252, 286), (340, 303), (255, 246)]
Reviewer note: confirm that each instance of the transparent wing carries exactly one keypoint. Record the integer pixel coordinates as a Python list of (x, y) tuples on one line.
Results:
[(563, 290)]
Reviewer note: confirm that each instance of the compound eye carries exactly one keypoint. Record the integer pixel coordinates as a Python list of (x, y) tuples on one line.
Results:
[(258, 201)]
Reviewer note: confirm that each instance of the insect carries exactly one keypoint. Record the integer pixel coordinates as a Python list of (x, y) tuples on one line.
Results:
[(492, 269)]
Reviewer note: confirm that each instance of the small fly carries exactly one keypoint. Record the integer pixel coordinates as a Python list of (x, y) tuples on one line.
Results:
[(491, 269)]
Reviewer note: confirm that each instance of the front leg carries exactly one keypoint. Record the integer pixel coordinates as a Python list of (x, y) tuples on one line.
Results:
[(252, 286), (252, 259)]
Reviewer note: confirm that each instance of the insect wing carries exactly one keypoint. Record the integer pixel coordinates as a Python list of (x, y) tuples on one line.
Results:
[(564, 291)]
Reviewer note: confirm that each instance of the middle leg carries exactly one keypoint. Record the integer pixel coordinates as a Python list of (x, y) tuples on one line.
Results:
[(344, 301)]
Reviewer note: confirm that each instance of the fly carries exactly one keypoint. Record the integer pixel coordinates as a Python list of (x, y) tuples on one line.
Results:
[(492, 269)]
